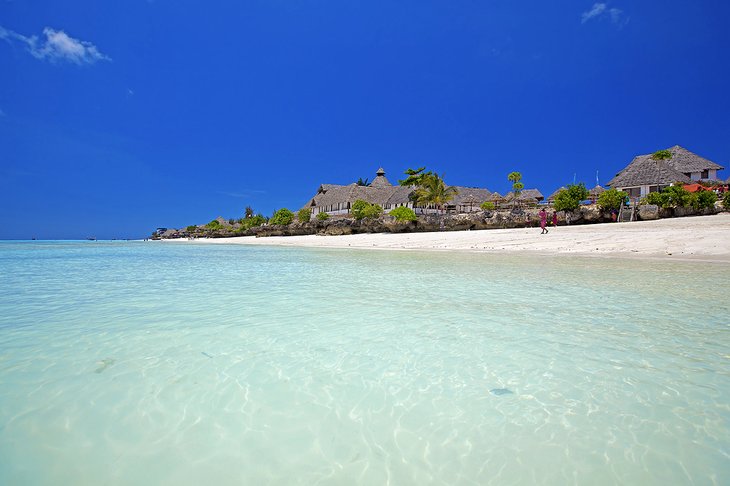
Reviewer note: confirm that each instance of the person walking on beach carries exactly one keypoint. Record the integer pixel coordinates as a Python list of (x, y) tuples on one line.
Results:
[(543, 221), (555, 219)]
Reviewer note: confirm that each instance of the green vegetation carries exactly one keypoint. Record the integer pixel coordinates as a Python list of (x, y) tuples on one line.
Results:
[(248, 213), (252, 221), (363, 209), (214, 225), (304, 215), (361, 182), (402, 214), (191, 228), (487, 206), (517, 186), (726, 201), (282, 217), (678, 197), (323, 216), (661, 155), (569, 199), (611, 199), (433, 190), (703, 200), (415, 177)]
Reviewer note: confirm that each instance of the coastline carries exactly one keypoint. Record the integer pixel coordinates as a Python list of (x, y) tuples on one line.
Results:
[(698, 238)]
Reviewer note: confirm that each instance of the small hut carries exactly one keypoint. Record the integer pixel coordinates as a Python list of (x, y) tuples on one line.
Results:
[(551, 197), (595, 192)]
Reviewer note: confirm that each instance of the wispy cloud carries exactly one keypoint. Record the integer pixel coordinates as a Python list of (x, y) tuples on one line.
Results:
[(57, 46), (601, 10), (243, 194)]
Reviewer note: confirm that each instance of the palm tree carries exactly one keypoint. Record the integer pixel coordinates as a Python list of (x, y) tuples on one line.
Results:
[(517, 186), (433, 190)]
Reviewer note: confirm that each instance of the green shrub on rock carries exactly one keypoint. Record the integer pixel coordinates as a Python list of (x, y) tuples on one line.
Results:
[(363, 209), (403, 214), (703, 200), (611, 199), (323, 216), (304, 215), (487, 206), (569, 199), (282, 217), (726, 201)]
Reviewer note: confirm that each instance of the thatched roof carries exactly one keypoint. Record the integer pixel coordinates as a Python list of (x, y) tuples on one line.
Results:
[(596, 191), (380, 180), (552, 196), (685, 161), (470, 196), (525, 195), (495, 197), (644, 170)]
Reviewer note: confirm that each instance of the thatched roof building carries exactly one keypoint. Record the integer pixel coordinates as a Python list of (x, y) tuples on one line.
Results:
[(337, 199), (552, 196), (645, 174)]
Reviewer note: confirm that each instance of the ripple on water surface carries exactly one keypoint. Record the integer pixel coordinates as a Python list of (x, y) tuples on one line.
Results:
[(159, 364)]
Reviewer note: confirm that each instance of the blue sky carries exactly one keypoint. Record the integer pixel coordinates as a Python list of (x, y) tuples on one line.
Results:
[(118, 117)]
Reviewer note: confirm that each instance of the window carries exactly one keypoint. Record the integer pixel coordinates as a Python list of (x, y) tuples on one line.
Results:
[(705, 174)]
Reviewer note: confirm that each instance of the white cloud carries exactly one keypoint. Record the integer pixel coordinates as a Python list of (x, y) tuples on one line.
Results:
[(601, 10), (595, 11), (57, 47)]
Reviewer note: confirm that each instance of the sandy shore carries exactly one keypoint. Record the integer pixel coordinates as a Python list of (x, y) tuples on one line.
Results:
[(692, 238)]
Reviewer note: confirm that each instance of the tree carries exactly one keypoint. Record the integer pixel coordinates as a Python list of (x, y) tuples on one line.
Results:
[(363, 209), (726, 201), (517, 186), (402, 214), (249, 212), (282, 216), (433, 190), (661, 155), (323, 216), (415, 176), (569, 198), (304, 215), (611, 199)]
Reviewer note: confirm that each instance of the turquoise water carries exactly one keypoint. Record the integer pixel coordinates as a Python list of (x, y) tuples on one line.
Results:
[(152, 363)]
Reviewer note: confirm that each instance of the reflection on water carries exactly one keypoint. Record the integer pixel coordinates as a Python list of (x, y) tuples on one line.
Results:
[(145, 363)]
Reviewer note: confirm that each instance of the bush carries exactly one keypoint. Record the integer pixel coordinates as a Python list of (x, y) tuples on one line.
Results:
[(323, 216), (726, 201), (657, 198), (282, 216), (611, 199), (304, 215), (678, 196), (251, 222), (363, 209), (191, 228), (569, 199), (704, 199), (402, 214), (487, 206), (215, 224)]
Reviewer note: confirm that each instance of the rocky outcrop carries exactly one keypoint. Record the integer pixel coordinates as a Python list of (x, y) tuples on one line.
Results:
[(493, 219)]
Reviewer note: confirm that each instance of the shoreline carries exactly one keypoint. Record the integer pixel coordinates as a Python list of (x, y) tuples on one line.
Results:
[(693, 238)]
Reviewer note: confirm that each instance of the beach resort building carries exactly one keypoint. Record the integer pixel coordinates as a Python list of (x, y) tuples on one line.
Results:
[(645, 174), (335, 199)]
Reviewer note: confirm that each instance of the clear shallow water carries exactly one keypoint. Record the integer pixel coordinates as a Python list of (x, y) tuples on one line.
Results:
[(148, 363)]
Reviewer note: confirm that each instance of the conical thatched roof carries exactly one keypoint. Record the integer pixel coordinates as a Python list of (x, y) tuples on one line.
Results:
[(495, 197), (596, 191), (552, 196)]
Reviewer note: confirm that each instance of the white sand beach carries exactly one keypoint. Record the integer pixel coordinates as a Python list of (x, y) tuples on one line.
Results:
[(704, 238)]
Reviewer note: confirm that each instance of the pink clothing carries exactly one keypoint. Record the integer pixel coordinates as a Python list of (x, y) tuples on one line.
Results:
[(543, 219)]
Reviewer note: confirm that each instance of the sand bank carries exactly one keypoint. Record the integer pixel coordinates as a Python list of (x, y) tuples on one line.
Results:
[(691, 238)]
